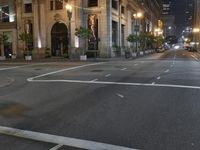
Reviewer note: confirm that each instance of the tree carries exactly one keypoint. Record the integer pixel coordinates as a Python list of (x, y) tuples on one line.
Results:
[(132, 38), (158, 41), (27, 38), (83, 33)]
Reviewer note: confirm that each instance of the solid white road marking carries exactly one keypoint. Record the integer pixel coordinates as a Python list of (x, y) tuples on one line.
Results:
[(108, 75), (56, 147), (117, 83), (62, 70), (28, 65), (10, 68), (124, 69), (120, 95), (153, 83), (166, 70), (60, 140)]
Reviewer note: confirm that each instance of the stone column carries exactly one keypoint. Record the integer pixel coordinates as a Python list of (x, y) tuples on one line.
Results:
[(42, 21), (106, 28), (36, 31)]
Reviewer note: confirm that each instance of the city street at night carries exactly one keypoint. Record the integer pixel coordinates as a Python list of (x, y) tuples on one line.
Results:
[(151, 102)]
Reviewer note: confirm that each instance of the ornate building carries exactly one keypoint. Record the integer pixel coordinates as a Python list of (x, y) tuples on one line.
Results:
[(110, 21)]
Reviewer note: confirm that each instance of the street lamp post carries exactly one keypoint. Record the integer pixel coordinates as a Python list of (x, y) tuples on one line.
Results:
[(137, 16), (195, 31), (69, 14)]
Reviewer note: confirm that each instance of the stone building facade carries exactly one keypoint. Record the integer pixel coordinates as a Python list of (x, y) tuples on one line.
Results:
[(110, 21)]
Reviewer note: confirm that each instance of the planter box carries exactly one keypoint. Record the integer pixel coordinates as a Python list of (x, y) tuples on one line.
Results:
[(134, 54), (28, 58), (2, 58), (13, 56), (83, 57), (141, 53)]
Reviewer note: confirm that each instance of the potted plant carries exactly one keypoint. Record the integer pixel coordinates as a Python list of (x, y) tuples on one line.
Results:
[(3, 41), (27, 39), (47, 52), (133, 38), (85, 34)]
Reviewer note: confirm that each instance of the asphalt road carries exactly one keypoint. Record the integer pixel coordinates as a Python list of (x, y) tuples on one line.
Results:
[(149, 103)]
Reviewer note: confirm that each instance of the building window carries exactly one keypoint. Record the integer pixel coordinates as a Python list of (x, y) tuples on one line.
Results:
[(123, 35), (51, 5), (28, 8), (5, 12), (115, 4), (58, 4), (122, 10), (92, 3), (114, 33)]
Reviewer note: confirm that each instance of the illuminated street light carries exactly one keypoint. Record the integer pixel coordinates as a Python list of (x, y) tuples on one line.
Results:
[(186, 39), (137, 17), (196, 30)]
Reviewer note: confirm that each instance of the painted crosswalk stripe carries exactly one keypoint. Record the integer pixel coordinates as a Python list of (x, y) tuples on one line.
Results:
[(60, 140), (56, 147)]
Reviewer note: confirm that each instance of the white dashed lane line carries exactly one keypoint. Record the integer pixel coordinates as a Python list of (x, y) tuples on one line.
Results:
[(166, 71), (158, 78), (108, 75), (94, 80), (120, 95), (123, 69)]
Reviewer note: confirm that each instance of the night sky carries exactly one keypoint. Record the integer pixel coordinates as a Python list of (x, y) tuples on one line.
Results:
[(178, 9)]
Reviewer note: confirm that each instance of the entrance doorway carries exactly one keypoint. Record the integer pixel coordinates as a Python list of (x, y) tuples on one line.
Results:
[(59, 39)]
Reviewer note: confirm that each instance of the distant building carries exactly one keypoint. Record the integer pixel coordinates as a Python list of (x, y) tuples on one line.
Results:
[(111, 21), (189, 13), (168, 19), (166, 7)]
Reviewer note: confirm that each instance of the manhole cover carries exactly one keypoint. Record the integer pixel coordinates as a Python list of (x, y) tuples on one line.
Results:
[(96, 70)]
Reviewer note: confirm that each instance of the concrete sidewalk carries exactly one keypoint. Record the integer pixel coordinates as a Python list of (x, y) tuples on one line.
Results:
[(61, 59)]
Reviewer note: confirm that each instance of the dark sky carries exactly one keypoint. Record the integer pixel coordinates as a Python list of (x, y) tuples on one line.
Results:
[(178, 9)]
